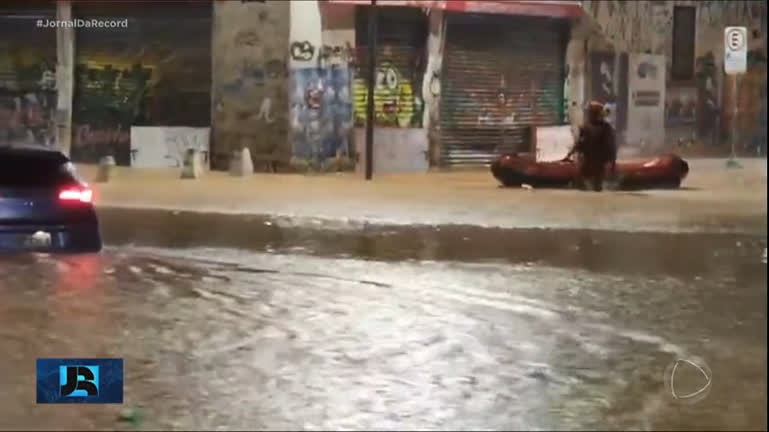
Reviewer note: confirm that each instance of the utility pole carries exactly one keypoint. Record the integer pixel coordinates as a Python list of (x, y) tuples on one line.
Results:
[(65, 68), (371, 78)]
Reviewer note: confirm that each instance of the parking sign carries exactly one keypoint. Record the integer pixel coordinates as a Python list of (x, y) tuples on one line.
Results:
[(735, 50)]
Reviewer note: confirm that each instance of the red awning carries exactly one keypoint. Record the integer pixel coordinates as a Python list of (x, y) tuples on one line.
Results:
[(556, 9)]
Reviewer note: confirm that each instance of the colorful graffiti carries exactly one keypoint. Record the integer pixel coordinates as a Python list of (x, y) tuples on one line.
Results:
[(27, 97), (396, 104), (27, 118), (321, 113), (108, 100)]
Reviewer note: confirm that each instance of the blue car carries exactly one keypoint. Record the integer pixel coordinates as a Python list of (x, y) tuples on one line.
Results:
[(44, 206)]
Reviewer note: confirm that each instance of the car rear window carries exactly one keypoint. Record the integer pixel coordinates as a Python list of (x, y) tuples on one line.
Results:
[(34, 171)]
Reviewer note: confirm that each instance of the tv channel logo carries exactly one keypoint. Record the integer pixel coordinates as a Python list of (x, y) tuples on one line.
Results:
[(67, 380)]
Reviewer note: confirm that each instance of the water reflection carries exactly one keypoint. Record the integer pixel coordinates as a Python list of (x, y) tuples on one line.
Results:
[(226, 339)]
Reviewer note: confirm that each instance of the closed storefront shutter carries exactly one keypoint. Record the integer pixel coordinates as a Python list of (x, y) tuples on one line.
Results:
[(401, 38), (501, 75), (155, 71), (27, 74)]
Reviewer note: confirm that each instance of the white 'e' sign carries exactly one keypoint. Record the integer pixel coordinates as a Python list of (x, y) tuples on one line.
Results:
[(735, 50)]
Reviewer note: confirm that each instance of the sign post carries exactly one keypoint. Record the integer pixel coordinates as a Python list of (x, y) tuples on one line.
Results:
[(735, 64)]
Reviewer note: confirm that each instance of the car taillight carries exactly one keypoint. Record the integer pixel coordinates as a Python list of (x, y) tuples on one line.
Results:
[(75, 194)]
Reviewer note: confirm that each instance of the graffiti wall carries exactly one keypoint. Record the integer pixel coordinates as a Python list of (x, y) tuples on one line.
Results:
[(396, 103), (27, 78), (166, 147), (250, 77), (693, 109), (403, 38), (155, 72), (321, 56), (321, 113)]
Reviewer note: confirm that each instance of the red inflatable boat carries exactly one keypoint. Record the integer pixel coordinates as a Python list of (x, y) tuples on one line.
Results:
[(664, 172)]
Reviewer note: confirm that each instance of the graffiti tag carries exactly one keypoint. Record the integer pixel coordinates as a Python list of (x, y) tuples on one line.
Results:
[(179, 142), (302, 51), (338, 53), (248, 38)]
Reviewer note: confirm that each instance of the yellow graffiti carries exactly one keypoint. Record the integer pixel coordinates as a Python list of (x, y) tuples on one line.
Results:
[(394, 101)]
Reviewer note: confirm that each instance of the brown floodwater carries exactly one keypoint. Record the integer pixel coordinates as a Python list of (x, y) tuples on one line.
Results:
[(254, 323)]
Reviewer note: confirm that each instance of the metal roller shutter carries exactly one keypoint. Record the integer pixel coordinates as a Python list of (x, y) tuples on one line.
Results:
[(155, 72), (401, 38), (501, 75), (27, 73)]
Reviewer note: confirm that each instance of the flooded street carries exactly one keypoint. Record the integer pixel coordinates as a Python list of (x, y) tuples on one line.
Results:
[(251, 323)]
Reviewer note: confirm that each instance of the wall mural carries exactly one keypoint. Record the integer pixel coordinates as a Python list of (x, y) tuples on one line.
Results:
[(321, 113), (396, 103), (109, 99), (27, 98), (158, 76)]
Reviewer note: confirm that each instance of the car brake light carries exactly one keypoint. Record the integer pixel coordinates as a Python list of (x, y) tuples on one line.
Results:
[(82, 195)]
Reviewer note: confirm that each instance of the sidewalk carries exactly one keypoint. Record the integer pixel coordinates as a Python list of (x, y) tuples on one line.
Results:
[(713, 198)]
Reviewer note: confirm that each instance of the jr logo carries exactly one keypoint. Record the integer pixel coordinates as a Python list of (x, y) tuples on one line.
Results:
[(79, 381)]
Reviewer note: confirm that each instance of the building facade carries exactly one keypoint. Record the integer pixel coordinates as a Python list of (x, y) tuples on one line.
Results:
[(457, 82)]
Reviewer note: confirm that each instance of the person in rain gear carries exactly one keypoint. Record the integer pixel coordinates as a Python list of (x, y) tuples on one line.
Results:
[(596, 148)]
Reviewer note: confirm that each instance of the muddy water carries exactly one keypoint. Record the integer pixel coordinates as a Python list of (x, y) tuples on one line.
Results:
[(266, 326)]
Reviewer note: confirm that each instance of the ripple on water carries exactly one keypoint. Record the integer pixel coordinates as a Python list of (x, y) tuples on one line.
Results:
[(280, 341)]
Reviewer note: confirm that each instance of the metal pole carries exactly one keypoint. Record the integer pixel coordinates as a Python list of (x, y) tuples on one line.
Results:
[(732, 161), (371, 79), (736, 98)]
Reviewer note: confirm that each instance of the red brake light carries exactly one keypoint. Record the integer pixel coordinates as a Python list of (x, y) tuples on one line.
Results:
[(82, 195)]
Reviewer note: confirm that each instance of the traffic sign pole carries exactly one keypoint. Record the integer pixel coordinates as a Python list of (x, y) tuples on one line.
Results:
[(735, 63), (732, 161)]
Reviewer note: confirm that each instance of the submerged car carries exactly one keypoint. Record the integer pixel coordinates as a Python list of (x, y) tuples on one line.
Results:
[(664, 172), (44, 206)]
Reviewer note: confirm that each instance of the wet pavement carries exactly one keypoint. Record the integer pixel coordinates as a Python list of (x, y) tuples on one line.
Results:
[(230, 322), (713, 198)]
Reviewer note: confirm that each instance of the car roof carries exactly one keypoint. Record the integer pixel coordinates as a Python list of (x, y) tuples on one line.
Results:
[(32, 152)]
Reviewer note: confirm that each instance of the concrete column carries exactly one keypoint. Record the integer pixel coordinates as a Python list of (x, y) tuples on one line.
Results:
[(65, 72)]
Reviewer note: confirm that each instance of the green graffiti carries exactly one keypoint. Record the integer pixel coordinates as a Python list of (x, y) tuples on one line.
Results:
[(108, 93)]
